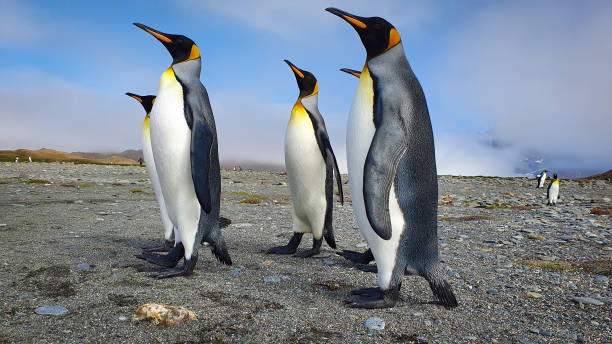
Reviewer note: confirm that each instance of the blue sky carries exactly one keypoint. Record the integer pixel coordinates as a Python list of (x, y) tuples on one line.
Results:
[(532, 77)]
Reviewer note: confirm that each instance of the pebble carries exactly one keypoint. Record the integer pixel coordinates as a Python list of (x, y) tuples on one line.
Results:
[(362, 244), (421, 339), (123, 318), (375, 323), (83, 267), (470, 338), (492, 292), (534, 236), (272, 279), (601, 279), (328, 261), (533, 295), (51, 310), (590, 235), (587, 300), (235, 272)]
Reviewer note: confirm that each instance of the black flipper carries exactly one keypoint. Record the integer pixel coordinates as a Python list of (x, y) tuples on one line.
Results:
[(169, 260), (385, 152), (316, 249), (290, 248), (201, 146), (357, 257)]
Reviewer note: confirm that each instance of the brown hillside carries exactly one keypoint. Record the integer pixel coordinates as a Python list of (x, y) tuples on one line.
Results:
[(50, 155), (605, 175)]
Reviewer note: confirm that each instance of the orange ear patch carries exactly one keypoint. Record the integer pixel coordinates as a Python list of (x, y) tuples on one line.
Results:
[(195, 52), (394, 38)]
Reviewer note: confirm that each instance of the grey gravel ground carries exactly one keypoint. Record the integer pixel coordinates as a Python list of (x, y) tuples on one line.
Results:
[(523, 272)]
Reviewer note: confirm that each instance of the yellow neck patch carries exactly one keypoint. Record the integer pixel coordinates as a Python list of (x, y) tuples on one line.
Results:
[(145, 127), (298, 113), (556, 181)]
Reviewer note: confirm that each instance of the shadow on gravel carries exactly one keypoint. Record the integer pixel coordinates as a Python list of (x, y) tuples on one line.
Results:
[(51, 281)]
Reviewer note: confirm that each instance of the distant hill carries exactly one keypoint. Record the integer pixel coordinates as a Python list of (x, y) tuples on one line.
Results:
[(50, 155), (605, 175), (130, 155)]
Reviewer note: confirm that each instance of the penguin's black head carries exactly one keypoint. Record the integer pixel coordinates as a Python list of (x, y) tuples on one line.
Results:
[(181, 48), (306, 81), (555, 176), (146, 101), (377, 34), (352, 72)]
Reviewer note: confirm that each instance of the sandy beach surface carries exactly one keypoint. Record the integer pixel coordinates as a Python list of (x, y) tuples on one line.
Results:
[(522, 272)]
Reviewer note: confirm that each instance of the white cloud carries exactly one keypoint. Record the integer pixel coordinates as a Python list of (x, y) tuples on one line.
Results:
[(17, 24), (295, 19), (538, 73)]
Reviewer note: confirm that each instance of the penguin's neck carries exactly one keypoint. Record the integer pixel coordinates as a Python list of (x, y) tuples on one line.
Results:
[(311, 103), (188, 70), (388, 62)]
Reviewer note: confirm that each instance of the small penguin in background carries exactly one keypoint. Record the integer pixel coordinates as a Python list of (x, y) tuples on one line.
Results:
[(147, 103), (184, 143), (541, 179), (30, 158), (392, 168), (311, 164), (552, 194), (16, 160), (351, 71)]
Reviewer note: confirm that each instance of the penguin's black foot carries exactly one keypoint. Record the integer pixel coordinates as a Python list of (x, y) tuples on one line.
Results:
[(309, 253), (170, 260), (282, 250), (165, 247), (290, 248), (367, 268), (374, 298), (185, 270), (224, 222), (357, 257)]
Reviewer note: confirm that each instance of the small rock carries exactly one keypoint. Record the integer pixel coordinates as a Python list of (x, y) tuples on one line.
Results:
[(601, 279), (83, 267), (534, 236), (375, 323), (533, 295), (272, 279), (545, 333), (508, 193), (587, 300), (492, 292), (51, 310), (470, 338), (607, 248), (590, 235), (235, 272), (535, 330), (421, 339), (362, 244), (525, 341), (123, 318), (328, 261)]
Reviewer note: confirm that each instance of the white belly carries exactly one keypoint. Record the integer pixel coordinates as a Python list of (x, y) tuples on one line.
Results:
[(306, 175), (360, 131), (152, 172), (171, 143)]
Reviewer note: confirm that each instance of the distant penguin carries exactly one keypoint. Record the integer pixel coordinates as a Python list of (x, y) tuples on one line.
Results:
[(310, 164), (552, 193), (30, 158), (392, 168), (16, 159), (147, 103), (351, 72), (541, 179), (184, 143)]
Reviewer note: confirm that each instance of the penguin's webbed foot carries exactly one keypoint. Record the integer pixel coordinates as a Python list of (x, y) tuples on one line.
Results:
[(308, 253), (357, 257), (370, 298), (165, 247), (185, 270), (170, 260), (316, 249), (290, 248)]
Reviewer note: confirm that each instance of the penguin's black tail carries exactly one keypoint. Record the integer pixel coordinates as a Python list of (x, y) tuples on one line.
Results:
[(218, 247), (441, 289), (328, 234)]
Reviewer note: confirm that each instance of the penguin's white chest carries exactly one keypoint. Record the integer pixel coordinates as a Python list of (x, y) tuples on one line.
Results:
[(305, 165), (171, 144), (360, 132)]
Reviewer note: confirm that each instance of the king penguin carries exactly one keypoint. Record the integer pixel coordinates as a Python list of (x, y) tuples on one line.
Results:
[(311, 164), (392, 168), (147, 103), (541, 179), (184, 144), (552, 194)]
